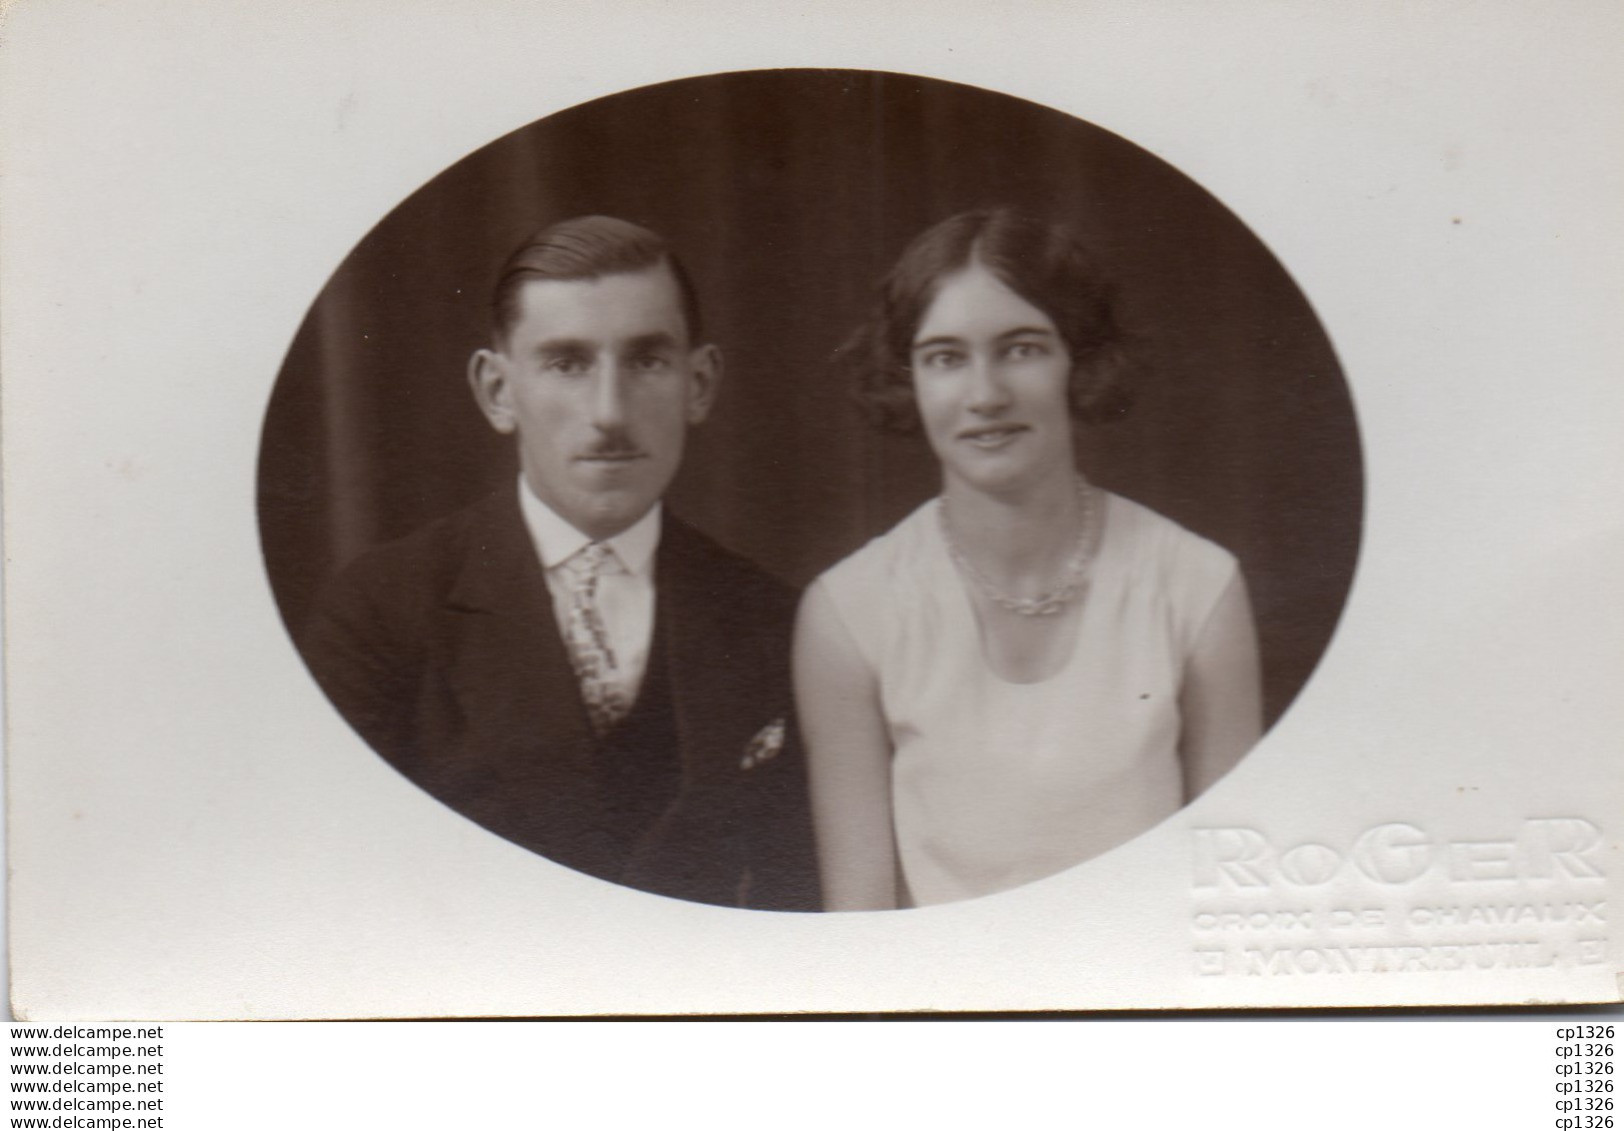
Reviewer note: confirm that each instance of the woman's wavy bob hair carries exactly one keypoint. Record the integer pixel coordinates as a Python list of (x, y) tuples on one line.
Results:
[(1045, 263)]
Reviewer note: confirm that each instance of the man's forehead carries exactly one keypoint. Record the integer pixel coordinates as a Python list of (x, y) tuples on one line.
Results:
[(602, 308)]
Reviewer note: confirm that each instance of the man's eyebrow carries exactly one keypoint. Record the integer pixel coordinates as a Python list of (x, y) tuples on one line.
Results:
[(553, 347), (659, 340)]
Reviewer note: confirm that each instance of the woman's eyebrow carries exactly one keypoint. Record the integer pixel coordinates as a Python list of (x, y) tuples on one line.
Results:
[(1026, 331)]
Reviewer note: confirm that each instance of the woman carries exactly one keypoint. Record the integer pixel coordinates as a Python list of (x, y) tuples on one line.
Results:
[(1028, 670)]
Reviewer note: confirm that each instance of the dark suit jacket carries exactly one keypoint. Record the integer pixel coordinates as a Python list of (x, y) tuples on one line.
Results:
[(443, 651)]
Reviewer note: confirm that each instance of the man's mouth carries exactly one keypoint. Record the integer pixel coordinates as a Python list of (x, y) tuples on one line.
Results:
[(990, 436), (612, 456)]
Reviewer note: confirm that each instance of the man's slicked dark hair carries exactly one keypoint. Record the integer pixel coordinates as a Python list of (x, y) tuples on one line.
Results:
[(1044, 263), (588, 247)]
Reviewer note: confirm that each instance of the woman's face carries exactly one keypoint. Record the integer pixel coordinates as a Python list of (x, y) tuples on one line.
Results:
[(991, 375)]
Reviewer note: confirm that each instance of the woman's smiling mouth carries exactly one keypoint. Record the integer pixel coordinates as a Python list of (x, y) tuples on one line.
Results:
[(988, 437)]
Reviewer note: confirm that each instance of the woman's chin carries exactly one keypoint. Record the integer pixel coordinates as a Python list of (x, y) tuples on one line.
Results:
[(1004, 476)]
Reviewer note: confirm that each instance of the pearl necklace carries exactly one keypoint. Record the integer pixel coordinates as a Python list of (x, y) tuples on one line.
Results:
[(1045, 604)]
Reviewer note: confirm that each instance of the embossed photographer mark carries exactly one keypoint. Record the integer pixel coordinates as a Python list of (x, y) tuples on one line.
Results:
[(1552, 848)]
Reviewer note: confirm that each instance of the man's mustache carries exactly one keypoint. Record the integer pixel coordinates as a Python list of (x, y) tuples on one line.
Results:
[(613, 445)]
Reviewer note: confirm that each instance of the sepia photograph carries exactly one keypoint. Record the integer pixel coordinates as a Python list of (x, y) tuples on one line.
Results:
[(564, 514), (1033, 421)]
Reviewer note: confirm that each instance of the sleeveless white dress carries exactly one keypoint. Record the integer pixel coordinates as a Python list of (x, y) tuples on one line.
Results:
[(996, 784)]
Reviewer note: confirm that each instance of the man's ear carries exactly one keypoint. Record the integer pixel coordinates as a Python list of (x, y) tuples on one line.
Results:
[(704, 382), (488, 378)]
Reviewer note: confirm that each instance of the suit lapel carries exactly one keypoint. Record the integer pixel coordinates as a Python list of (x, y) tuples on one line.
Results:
[(706, 654), (512, 675)]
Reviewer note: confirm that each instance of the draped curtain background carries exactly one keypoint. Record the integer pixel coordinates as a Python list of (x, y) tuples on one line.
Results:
[(787, 194)]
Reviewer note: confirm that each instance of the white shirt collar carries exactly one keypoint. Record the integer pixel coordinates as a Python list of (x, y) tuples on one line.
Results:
[(556, 541)]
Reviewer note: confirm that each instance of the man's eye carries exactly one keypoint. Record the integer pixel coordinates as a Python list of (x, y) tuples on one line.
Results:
[(651, 362), (565, 366)]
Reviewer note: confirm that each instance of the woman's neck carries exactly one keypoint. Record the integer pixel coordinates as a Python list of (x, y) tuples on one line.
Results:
[(1021, 540)]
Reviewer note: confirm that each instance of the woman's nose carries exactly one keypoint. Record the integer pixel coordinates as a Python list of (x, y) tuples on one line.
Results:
[(988, 391)]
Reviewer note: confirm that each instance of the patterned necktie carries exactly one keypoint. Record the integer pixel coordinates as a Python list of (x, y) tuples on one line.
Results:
[(591, 653)]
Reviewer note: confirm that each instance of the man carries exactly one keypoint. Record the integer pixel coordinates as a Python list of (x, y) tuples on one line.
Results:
[(567, 663)]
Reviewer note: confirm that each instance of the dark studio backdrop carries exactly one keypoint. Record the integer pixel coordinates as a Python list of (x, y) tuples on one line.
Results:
[(787, 194)]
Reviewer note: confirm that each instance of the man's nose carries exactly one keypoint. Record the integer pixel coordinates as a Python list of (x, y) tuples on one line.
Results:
[(609, 397), (989, 393)]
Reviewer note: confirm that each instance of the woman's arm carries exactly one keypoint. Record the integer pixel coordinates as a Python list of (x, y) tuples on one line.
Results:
[(1221, 700), (849, 759)]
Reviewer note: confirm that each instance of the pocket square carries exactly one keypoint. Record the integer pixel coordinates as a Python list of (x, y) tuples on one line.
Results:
[(764, 747)]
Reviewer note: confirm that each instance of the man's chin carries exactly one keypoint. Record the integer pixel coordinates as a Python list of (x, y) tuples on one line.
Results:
[(607, 512)]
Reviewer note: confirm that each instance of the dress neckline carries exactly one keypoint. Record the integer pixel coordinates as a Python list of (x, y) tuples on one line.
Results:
[(963, 599)]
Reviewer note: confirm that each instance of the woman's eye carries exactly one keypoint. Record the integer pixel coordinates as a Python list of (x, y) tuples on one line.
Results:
[(1020, 351), (942, 359)]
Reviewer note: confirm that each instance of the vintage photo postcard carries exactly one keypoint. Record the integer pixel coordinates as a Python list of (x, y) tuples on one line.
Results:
[(521, 512)]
